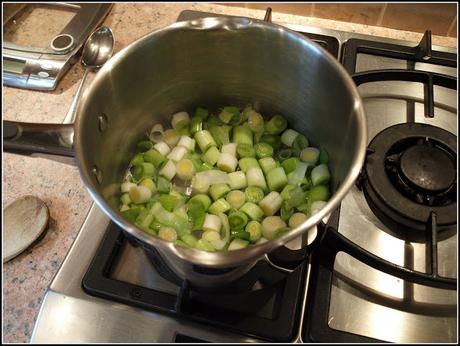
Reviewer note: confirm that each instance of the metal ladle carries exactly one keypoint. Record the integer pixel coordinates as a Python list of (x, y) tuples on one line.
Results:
[(97, 50)]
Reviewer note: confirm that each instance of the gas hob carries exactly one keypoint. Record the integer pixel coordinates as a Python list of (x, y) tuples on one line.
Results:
[(107, 290)]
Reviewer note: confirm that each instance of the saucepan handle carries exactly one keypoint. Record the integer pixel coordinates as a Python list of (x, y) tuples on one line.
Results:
[(30, 138)]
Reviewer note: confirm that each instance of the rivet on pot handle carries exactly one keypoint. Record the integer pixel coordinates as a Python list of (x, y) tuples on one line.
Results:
[(30, 138)]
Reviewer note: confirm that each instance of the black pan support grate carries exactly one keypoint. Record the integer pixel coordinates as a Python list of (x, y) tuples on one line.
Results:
[(269, 313)]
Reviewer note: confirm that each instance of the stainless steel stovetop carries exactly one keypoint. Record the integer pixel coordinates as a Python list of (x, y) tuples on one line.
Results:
[(363, 301)]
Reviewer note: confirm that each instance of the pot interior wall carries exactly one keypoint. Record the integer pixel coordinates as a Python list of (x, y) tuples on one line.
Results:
[(237, 64)]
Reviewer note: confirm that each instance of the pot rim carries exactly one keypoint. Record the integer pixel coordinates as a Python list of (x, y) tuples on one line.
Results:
[(226, 258)]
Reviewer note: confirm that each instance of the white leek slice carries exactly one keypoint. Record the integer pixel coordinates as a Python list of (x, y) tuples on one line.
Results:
[(288, 137), (297, 219), (270, 225), (237, 180), (214, 238), (255, 177), (169, 170), (180, 117), (156, 133), (124, 207), (238, 244), (186, 142), (140, 194), (317, 206), (185, 169), (229, 148), (170, 137), (296, 177), (168, 234), (320, 175), (162, 148), (126, 186), (310, 155), (214, 177), (271, 203), (200, 184), (227, 162), (177, 153), (212, 223), (236, 199)]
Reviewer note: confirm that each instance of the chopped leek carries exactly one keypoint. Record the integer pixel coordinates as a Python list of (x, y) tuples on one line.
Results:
[(204, 140), (310, 155), (320, 175), (252, 210), (254, 194), (275, 125), (171, 137), (237, 180), (237, 220), (169, 170), (267, 164), (212, 223), (149, 183), (290, 165), (254, 228), (170, 219), (273, 140), (186, 142), (126, 200), (230, 115), (246, 163), (323, 156), (218, 190), (276, 179), (227, 162), (300, 143), (185, 169), (219, 206), (139, 194), (256, 177), (177, 153), (168, 234), (221, 134), (235, 199), (270, 225), (288, 137), (211, 156), (162, 148), (271, 203), (242, 134), (203, 199), (263, 150), (318, 193), (155, 157), (230, 148), (245, 150), (297, 219), (238, 244)]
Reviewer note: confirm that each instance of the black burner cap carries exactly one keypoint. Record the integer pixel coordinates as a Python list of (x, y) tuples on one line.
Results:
[(428, 168)]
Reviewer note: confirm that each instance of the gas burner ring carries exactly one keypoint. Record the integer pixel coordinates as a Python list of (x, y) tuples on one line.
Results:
[(411, 172)]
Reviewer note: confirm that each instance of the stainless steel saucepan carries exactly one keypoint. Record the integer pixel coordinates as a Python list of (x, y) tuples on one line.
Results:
[(209, 62)]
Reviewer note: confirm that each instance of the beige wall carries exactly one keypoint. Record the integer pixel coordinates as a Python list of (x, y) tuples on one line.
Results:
[(440, 18)]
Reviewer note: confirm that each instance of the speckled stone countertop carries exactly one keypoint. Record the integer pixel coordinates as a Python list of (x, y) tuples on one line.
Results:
[(27, 277)]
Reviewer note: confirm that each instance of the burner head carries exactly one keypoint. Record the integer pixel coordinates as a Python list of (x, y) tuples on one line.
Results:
[(428, 168), (410, 173)]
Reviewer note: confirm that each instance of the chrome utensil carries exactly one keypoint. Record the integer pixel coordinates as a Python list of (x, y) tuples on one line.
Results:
[(97, 50)]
